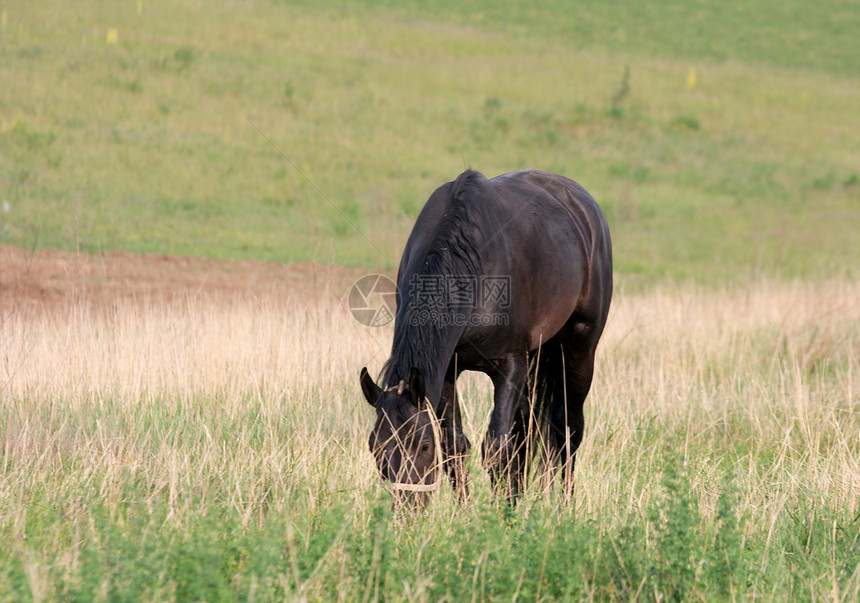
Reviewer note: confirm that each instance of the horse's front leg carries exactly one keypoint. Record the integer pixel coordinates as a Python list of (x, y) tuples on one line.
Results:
[(455, 444), (505, 444)]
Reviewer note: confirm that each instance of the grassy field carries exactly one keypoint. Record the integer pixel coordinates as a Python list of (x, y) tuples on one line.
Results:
[(216, 450), (308, 131)]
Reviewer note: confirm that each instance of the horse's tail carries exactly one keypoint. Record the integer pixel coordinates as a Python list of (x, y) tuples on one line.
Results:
[(546, 383)]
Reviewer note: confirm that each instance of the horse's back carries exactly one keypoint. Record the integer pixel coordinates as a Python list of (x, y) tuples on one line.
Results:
[(529, 184), (562, 236), (542, 232)]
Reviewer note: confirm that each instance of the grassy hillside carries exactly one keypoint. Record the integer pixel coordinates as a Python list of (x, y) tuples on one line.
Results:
[(197, 451), (722, 142)]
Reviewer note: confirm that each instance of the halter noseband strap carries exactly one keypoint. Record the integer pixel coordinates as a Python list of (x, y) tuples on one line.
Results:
[(437, 436)]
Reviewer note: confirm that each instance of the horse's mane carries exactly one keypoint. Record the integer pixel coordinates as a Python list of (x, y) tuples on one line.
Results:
[(453, 250)]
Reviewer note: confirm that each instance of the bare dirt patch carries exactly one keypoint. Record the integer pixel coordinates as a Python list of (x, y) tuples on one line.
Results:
[(48, 278)]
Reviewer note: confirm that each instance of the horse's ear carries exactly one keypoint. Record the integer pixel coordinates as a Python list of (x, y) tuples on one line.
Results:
[(416, 385), (369, 388)]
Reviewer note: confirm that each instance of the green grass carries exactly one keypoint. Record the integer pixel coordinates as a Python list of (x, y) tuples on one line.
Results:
[(790, 35), (341, 554), (159, 142), (212, 451), (198, 451)]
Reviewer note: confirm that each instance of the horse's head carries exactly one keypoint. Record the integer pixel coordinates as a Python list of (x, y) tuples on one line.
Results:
[(405, 438)]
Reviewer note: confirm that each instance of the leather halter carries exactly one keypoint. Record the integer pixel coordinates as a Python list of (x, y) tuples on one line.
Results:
[(437, 436)]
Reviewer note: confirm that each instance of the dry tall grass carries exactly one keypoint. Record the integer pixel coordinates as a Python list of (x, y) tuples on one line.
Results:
[(254, 403), (765, 373)]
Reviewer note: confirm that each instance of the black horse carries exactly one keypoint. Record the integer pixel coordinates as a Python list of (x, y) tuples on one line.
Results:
[(511, 277)]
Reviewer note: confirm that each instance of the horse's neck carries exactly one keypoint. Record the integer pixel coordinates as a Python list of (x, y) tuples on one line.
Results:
[(409, 351)]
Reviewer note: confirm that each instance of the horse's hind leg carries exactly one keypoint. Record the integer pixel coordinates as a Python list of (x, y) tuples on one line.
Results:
[(545, 382), (565, 418)]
